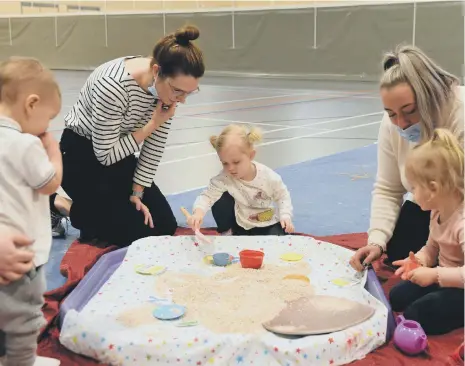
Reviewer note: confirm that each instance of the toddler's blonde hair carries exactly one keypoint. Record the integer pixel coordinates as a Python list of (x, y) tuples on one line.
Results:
[(440, 160), (18, 74), (248, 137)]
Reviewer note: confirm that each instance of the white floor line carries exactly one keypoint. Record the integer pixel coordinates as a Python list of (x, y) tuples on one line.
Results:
[(256, 98), (305, 126), (176, 147), (310, 125), (287, 90), (292, 127), (277, 141), (185, 191), (234, 121)]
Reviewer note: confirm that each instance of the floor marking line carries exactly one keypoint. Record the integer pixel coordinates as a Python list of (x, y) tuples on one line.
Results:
[(285, 90), (306, 126), (291, 127), (240, 122), (303, 93), (247, 99), (277, 141), (325, 98)]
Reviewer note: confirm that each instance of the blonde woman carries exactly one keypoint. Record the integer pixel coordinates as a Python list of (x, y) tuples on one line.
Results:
[(418, 96)]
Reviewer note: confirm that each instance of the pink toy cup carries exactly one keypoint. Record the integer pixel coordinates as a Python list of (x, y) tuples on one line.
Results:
[(409, 336)]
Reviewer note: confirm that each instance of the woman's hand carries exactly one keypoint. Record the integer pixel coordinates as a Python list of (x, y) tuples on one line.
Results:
[(365, 256), (141, 207), (423, 276), (406, 265), (287, 225), (15, 261), (162, 113), (159, 116)]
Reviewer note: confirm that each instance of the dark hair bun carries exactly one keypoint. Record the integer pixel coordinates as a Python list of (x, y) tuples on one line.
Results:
[(186, 34)]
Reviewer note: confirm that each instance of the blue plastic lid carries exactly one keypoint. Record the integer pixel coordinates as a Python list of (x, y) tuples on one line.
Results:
[(169, 312)]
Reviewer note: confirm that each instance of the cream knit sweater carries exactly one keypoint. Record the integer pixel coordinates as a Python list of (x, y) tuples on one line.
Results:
[(391, 184)]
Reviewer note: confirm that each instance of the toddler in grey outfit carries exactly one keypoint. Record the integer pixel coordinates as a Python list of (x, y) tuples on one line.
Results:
[(31, 170)]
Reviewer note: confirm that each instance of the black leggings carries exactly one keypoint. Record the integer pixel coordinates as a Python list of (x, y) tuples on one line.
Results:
[(101, 208), (410, 233), (225, 217), (439, 310)]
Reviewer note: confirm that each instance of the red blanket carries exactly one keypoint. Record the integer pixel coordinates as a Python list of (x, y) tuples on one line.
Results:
[(81, 257)]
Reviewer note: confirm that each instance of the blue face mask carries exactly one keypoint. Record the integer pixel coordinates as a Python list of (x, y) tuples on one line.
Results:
[(412, 133), (152, 90)]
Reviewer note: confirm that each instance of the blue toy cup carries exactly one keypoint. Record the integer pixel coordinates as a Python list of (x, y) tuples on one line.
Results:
[(221, 259)]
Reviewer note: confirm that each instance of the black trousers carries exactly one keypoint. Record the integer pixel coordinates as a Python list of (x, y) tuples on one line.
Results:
[(101, 208), (225, 217), (439, 310), (410, 233)]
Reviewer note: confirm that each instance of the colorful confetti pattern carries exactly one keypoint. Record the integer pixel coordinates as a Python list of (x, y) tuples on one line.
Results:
[(94, 332)]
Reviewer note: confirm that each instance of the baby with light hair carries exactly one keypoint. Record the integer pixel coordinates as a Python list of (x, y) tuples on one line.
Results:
[(31, 166)]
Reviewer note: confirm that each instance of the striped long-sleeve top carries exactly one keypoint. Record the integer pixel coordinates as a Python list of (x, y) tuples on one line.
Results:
[(111, 105)]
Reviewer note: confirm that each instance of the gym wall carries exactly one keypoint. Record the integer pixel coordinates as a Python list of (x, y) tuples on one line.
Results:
[(326, 41)]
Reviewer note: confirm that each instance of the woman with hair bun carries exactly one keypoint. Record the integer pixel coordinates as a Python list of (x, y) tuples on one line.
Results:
[(125, 103), (418, 97)]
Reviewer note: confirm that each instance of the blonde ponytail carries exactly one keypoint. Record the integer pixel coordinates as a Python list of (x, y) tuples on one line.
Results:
[(254, 135), (214, 141), (247, 137)]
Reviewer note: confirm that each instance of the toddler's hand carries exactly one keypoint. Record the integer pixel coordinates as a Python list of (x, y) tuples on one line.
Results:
[(49, 142), (423, 276), (406, 265), (287, 225), (195, 221)]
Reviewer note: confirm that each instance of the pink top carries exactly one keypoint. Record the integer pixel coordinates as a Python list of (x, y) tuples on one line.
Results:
[(445, 249)]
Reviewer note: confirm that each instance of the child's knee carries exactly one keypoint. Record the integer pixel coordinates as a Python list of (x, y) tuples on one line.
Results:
[(413, 313), (397, 298)]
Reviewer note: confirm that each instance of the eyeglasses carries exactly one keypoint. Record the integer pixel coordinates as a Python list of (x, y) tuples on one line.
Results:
[(178, 92)]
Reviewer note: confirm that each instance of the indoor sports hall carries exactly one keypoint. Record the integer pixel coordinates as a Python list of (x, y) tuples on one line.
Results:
[(306, 73)]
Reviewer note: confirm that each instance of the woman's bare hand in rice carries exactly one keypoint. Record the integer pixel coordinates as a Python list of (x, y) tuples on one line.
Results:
[(365, 256)]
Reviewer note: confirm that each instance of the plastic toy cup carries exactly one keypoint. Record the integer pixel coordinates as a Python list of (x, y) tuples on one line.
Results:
[(221, 259), (251, 259)]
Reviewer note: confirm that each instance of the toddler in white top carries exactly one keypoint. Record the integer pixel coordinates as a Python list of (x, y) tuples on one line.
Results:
[(31, 170), (252, 188)]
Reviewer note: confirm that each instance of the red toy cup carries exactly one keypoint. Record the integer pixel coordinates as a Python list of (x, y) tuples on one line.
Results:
[(251, 259)]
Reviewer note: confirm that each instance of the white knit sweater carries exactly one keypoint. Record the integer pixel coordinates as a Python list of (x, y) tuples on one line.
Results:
[(391, 184)]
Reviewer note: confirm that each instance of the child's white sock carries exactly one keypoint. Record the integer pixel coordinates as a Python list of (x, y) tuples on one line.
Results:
[(46, 361)]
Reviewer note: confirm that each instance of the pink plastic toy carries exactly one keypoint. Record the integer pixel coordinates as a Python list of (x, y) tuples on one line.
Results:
[(198, 234), (409, 336)]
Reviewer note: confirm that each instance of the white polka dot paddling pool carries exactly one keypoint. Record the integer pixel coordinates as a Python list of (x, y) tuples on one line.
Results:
[(157, 331)]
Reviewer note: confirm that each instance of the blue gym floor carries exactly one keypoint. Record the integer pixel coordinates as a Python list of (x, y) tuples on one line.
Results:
[(319, 136)]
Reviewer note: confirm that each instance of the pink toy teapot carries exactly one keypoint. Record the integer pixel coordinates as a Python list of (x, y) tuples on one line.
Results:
[(409, 336)]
